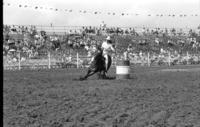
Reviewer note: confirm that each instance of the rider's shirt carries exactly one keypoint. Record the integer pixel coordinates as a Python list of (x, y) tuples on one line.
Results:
[(107, 48)]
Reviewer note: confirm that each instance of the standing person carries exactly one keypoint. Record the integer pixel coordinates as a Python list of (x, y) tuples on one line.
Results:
[(108, 49), (102, 25)]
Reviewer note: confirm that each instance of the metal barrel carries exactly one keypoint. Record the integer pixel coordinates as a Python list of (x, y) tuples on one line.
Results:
[(123, 69)]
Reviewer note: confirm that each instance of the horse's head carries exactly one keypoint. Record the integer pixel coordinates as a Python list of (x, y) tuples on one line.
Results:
[(99, 50)]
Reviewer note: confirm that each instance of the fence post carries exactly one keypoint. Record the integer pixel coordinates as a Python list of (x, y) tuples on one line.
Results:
[(148, 60), (49, 60), (77, 58), (115, 60), (187, 58), (169, 59), (19, 59)]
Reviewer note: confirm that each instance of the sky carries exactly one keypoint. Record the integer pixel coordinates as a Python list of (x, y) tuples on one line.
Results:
[(30, 16)]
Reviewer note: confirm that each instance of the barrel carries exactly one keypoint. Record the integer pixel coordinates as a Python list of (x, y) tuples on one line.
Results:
[(123, 69)]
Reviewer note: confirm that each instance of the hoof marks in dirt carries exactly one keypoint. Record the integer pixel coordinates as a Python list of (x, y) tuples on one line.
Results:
[(109, 78), (102, 78), (79, 79)]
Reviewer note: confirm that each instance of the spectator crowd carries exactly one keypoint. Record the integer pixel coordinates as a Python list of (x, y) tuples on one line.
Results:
[(30, 41)]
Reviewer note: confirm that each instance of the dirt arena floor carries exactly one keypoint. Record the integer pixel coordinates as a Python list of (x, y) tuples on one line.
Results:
[(153, 97)]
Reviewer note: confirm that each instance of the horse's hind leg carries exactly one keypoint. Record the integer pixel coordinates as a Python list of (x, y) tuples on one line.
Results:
[(99, 75), (104, 74)]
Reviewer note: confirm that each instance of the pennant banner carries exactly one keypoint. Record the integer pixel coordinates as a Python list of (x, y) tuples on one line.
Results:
[(96, 12)]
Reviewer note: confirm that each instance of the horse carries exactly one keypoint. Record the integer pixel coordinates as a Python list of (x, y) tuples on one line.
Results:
[(98, 65)]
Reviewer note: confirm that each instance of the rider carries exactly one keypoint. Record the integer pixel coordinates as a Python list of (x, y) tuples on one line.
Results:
[(107, 48)]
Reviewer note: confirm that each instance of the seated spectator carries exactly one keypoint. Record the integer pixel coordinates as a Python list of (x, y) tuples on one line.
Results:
[(13, 29), (130, 48), (103, 25), (157, 41)]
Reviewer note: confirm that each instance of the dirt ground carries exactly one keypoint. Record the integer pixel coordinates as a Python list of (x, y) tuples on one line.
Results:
[(151, 98)]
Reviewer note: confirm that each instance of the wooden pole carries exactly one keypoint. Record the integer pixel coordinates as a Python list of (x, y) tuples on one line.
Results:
[(116, 53), (169, 59), (49, 60), (187, 58), (148, 60), (77, 58), (19, 61)]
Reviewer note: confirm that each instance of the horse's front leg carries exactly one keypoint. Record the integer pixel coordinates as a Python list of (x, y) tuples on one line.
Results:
[(90, 73), (86, 76)]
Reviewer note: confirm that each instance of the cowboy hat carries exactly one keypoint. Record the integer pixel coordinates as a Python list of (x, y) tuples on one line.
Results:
[(108, 38)]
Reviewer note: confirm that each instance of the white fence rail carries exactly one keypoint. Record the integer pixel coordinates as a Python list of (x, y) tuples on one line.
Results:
[(47, 60)]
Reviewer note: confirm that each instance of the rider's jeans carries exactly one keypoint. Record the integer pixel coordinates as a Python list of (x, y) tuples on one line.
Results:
[(106, 60)]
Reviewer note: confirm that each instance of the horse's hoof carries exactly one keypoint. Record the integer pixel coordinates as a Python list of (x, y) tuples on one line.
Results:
[(104, 77), (82, 78)]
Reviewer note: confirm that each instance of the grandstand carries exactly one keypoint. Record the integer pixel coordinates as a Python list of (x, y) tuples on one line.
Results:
[(33, 42)]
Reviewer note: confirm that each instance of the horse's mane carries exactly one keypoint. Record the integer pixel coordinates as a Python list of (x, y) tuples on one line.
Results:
[(99, 54)]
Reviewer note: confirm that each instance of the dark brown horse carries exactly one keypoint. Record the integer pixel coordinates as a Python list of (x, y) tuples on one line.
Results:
[(98, 65)]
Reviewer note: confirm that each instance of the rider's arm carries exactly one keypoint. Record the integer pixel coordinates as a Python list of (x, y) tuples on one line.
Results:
[(103, 45), (112, 48)]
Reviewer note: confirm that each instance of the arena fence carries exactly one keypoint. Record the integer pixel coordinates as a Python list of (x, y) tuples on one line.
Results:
[(47, 60)]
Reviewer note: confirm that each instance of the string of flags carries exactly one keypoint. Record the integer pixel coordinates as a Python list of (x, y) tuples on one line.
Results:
[(97, 12)]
